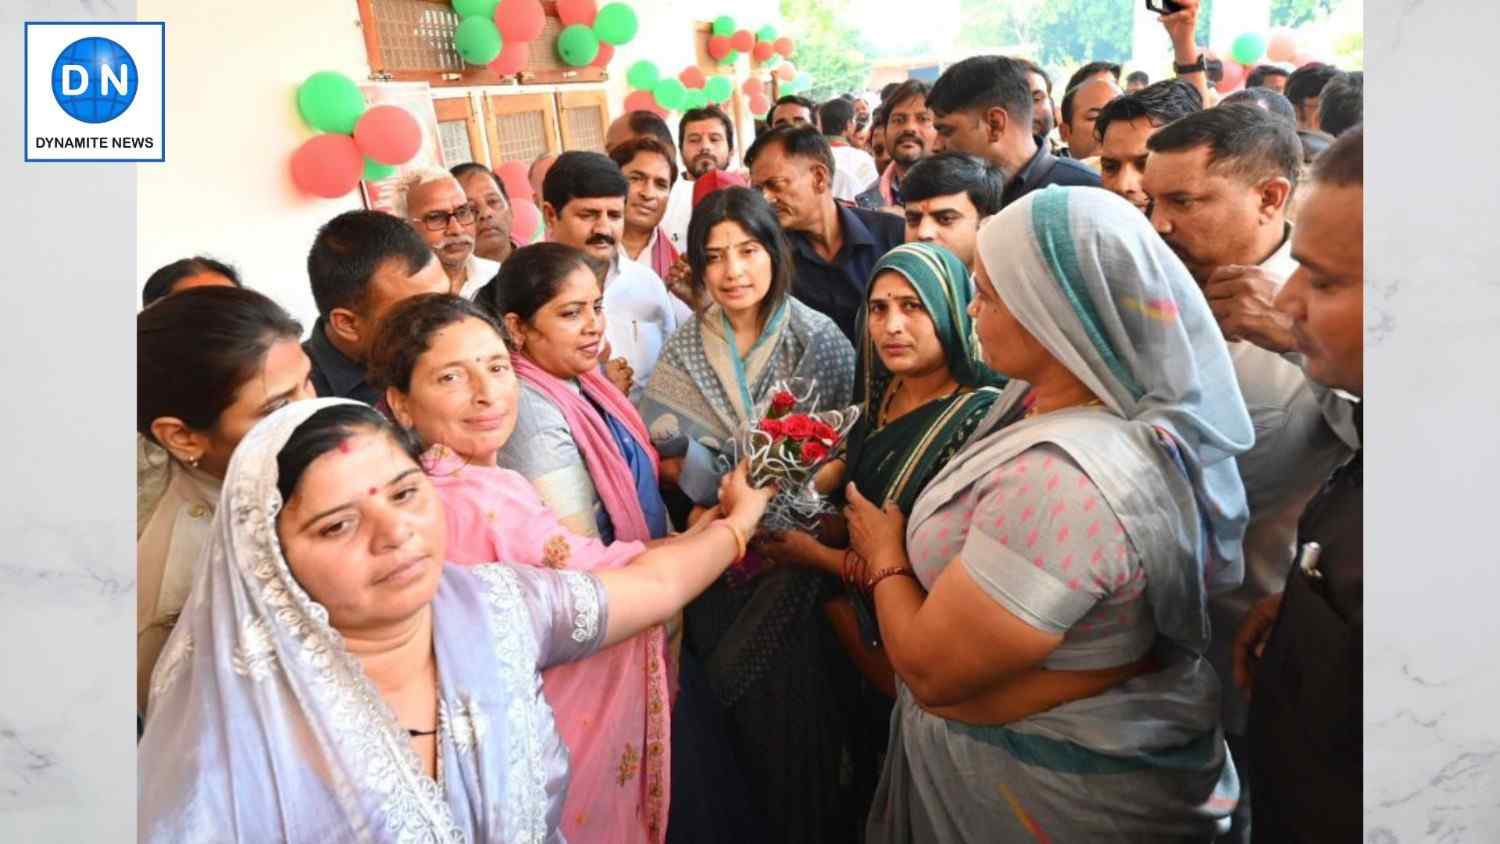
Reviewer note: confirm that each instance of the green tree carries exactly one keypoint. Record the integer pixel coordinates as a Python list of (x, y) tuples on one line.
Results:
[(1071, 32), (828, 49), (1295, 13), (988, 24)]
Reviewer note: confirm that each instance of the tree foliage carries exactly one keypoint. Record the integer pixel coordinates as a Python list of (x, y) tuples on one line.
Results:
[(828, 48), (1295, 13), (1074, 31)]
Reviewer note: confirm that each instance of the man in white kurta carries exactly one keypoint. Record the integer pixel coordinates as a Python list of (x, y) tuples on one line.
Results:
[(706, 139)]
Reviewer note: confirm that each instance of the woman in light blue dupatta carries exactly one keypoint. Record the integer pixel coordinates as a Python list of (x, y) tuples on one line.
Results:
[(1070, 547), (332, 679)]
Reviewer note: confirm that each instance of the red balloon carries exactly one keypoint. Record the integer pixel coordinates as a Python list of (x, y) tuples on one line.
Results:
[(525, 220), (719, 47), (763, 51), (514, 57), (519, 20), (753, 87), (1234, 77), (785, 47), (744, 41), (786, 71), (643, 101), (388, 134), (513, 175), (577, 11), (759, 104), (327, 165), (606, 53), (692, 78), (1281, 46)]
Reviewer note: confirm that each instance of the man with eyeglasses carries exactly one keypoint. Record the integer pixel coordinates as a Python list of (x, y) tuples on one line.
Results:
[(437, 207)]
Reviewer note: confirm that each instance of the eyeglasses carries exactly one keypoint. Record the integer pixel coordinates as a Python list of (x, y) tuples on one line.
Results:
[(436, 221)]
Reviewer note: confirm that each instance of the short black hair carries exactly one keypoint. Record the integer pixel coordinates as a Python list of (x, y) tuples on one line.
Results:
[(325, 431), (908, 90), (1343, 163), (1314, 143), (797, 142), (797, 100), (1261, 73), (651, 123), (406, 332), (885, 92), (835, 116), (1093, 69), (751, 212), (460, 171), (708, 112), (983, 82), (1161, 103), (1342, 104), (1067, 101), (160, 284), (1243, 140), (1138, 76), (1308, 81), (579, 174), (351, 247), (1263, 98), (531, 277), (1033, 67), (949, 173), (625, 153)]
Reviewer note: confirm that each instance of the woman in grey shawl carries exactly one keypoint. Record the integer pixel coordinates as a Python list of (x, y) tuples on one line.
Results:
[(1070, 547), (331, 679)]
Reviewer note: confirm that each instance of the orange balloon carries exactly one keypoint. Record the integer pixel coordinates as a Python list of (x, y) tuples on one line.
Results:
[(754, 87), (692, 78), (1281, 46)]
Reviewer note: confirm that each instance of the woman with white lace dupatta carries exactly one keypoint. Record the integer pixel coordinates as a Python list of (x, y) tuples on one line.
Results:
[(1070, 546), (331, 679)]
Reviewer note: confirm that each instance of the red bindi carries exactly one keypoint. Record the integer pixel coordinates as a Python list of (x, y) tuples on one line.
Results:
[(373, 490), (345, 447)]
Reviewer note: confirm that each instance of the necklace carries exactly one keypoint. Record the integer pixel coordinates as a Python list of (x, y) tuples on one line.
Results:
[(1032, 410)]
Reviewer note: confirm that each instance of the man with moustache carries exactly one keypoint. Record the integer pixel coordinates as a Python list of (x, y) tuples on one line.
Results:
[(1219, 180), (651, 170), (437, 207), (909, 135), (705, 137), (1300, 650), (1125, 124), (583, 203), (493, 217), (834, 247)]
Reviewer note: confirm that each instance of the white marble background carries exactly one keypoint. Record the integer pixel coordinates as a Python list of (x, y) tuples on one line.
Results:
[(1432, 691), (67, 562), (67, 762)]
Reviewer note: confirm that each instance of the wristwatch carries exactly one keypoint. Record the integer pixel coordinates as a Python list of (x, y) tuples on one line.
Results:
[(1199, 66)]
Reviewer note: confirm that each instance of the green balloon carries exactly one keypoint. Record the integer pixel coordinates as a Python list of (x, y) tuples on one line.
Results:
[(330, 102), (724, 26), (696, 98), (766, 33), (642, 75), (719, 89), (475, 8), (616, 24), (1248, 48), (774, 60), (730, 58), (477, 40), (375, 171), (670, 94), (578, 45)]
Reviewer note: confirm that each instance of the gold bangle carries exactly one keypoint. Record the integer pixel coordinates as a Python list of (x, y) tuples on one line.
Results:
[(740, 541)]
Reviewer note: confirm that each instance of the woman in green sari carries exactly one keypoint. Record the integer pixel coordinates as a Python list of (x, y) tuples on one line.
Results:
[(926, 389)]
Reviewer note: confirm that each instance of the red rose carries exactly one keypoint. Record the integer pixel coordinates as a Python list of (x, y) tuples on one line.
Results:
[(782, 402), (813, 451), (799, 427), (825, 432), (774, 427)]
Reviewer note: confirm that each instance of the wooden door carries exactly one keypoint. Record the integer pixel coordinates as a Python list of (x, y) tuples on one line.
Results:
[(583, 117), (522, 127), (458, 131)]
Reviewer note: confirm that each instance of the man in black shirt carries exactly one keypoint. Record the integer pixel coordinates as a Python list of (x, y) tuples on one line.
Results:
[(982, 106), (361, 264), (834, 247), (1300, 650)]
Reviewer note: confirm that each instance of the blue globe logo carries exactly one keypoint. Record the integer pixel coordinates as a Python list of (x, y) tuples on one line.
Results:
[(94, 80)]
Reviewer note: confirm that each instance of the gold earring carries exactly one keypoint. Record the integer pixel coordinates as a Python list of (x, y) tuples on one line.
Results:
[(193, 461)]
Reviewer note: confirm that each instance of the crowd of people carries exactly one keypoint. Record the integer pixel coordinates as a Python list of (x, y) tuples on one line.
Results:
[(476, 558)]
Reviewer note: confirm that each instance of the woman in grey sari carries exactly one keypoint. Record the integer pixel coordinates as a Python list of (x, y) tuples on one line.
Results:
[(331, 679), (1071, 547)]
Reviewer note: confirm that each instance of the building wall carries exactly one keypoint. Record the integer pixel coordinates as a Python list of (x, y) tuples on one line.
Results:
[(232, 124)]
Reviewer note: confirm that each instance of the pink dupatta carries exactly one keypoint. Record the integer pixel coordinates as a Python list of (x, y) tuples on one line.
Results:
[(611, 708), (607, 467)]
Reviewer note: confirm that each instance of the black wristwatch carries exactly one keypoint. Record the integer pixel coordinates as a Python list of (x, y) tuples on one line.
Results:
[(1199, 66)]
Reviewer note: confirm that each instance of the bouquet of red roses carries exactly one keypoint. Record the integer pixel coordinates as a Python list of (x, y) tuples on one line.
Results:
[(788, 445)]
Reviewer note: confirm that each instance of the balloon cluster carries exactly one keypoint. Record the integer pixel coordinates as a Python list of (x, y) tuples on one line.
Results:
[(356, 142), (1251, 48), (690, 89), (726, 42), (499, 33)]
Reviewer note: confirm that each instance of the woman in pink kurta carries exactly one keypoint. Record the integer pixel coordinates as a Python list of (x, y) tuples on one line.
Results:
[(449, 379)]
